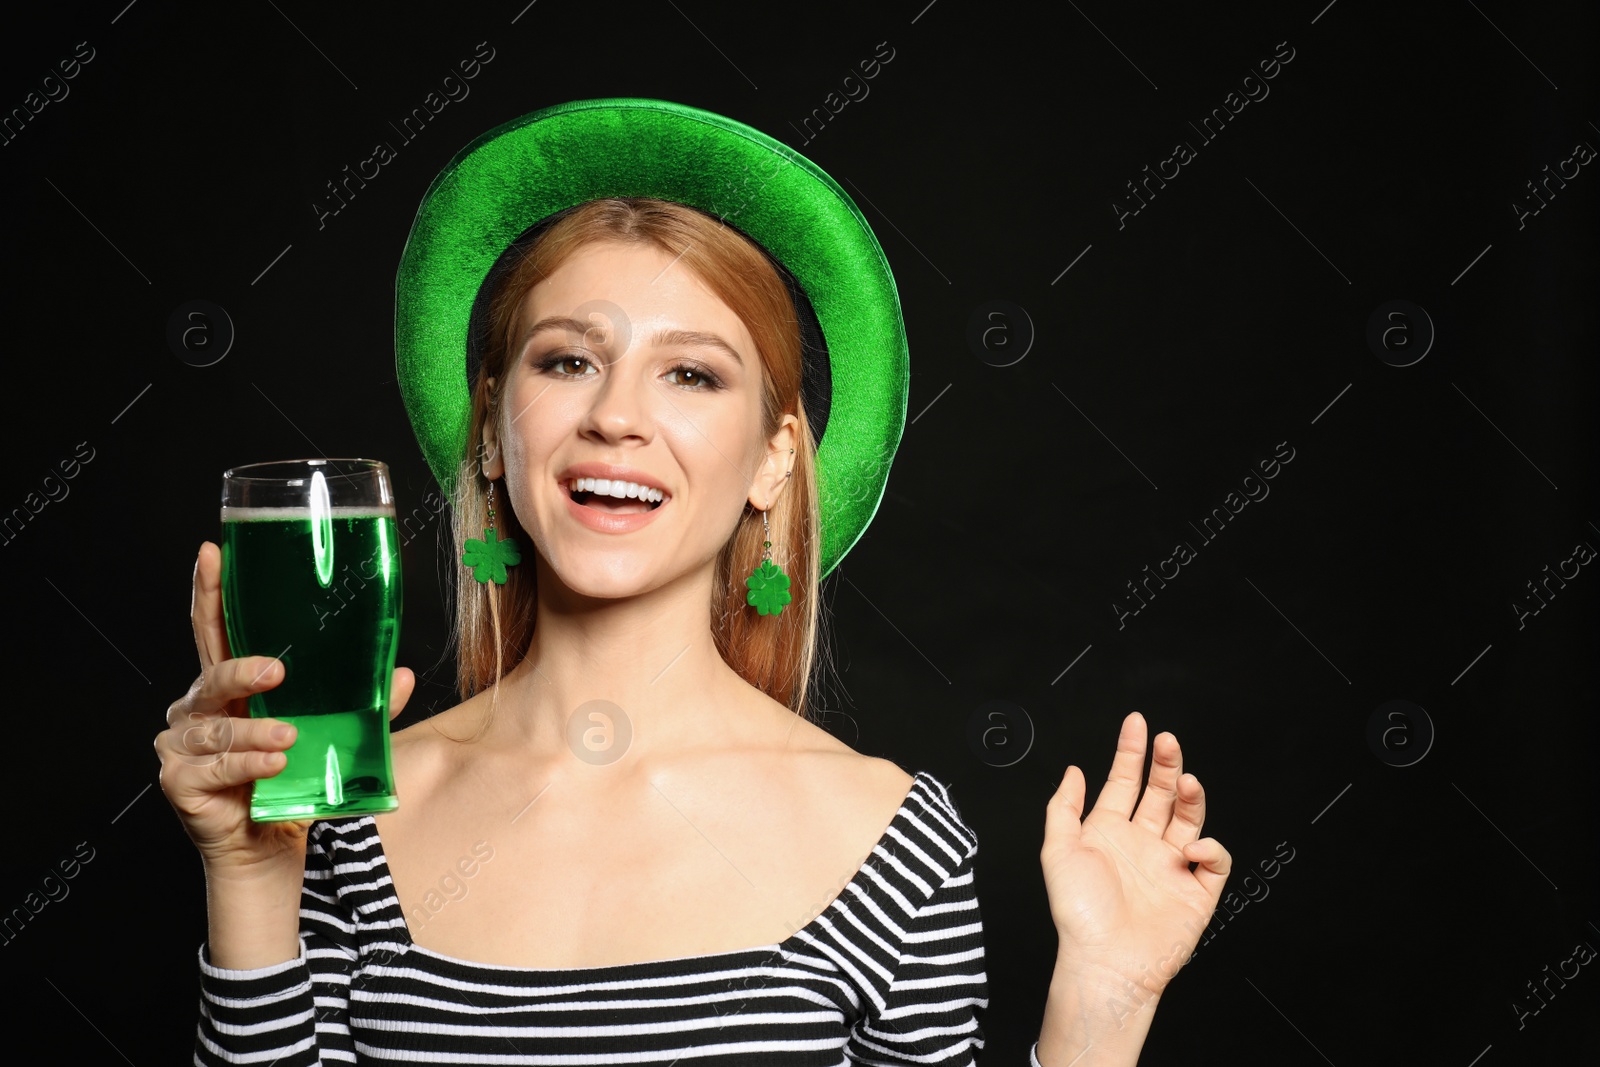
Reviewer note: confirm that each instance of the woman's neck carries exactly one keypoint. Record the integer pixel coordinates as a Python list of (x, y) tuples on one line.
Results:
[(636, 677)]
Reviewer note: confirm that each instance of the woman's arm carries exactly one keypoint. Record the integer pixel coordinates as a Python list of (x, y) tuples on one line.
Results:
[(254, 915), (1092, 1023), (260, 959), (212, 752), (292, 1012), (928, 1012)]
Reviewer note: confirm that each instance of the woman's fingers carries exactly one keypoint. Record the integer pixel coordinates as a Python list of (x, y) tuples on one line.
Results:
[(202, 754), (1161, 793), (400, 689), (208, 740), (222, 683), (1127, 769), (200, 727), (1215, 862), (1189, 815), (197, 778), (1063, 815), (235, 679), (205, 606)]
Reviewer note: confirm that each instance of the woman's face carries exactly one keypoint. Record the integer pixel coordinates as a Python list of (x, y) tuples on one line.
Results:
[(625, 366)]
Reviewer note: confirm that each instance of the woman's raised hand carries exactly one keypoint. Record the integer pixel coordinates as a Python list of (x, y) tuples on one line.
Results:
[(212, 751), (1127, 908)]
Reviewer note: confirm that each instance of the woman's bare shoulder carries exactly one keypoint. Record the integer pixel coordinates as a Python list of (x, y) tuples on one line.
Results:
[(426, 751), (834, 773), (872, 782)]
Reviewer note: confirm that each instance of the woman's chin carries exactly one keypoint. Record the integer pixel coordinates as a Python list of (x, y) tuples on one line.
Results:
[(618, 573), (609, 574)]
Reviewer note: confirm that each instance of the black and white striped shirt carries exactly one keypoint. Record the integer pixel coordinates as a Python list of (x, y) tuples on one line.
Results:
[(892, 972)]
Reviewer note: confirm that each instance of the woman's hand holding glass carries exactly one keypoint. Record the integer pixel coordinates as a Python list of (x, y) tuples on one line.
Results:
[(213, 751)]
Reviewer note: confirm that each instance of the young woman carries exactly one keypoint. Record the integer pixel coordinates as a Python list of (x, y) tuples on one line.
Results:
[(628, 842)]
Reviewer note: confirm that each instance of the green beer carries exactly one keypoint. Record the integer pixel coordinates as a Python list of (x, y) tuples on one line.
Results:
[(319, 588)]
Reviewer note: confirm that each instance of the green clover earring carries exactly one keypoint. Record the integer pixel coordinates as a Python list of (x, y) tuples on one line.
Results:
[(768, 585), (490, 557)]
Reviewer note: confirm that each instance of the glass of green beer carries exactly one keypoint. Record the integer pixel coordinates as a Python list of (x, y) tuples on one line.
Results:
[(311, 575)]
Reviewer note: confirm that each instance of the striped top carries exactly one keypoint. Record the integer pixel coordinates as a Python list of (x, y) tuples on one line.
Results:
[(891, 972)]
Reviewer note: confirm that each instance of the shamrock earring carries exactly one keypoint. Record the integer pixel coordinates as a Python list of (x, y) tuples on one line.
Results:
[(490, 557), (768, 585)]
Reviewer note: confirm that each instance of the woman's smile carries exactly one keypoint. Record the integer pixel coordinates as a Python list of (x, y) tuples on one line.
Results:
[(611, 499), (612, 490)]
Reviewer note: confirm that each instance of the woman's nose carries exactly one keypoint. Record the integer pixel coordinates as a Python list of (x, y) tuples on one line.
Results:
[(621, 404)]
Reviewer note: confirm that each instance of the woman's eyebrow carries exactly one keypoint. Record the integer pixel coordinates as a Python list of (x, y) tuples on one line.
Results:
[(559, 322), (695, 338), (661, 339)]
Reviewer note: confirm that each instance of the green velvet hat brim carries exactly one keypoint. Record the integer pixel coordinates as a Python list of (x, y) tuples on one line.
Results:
[(519, 174)]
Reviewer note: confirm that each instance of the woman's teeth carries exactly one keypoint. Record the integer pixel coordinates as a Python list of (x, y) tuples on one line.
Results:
[(606, 495)]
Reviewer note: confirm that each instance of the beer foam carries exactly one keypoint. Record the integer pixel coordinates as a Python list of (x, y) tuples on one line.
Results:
[(349, 511)]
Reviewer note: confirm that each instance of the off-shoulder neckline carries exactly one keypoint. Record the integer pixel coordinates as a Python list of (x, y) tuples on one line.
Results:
[(923, 783)]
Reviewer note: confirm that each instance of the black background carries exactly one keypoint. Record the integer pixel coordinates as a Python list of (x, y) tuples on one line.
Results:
[(1181, 348)]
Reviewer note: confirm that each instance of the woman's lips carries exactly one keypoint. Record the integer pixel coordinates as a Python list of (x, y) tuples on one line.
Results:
[(612, 521)]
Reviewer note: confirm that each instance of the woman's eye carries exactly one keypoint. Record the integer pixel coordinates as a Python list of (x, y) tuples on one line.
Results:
[(569, 365), (696, 379), (566, 363)]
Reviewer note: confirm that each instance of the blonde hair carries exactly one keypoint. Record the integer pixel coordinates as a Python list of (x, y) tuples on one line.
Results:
[(773, 653)]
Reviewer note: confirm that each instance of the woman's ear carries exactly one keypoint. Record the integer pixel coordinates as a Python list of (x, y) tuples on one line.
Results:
[(489, 449), (777, 471)]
